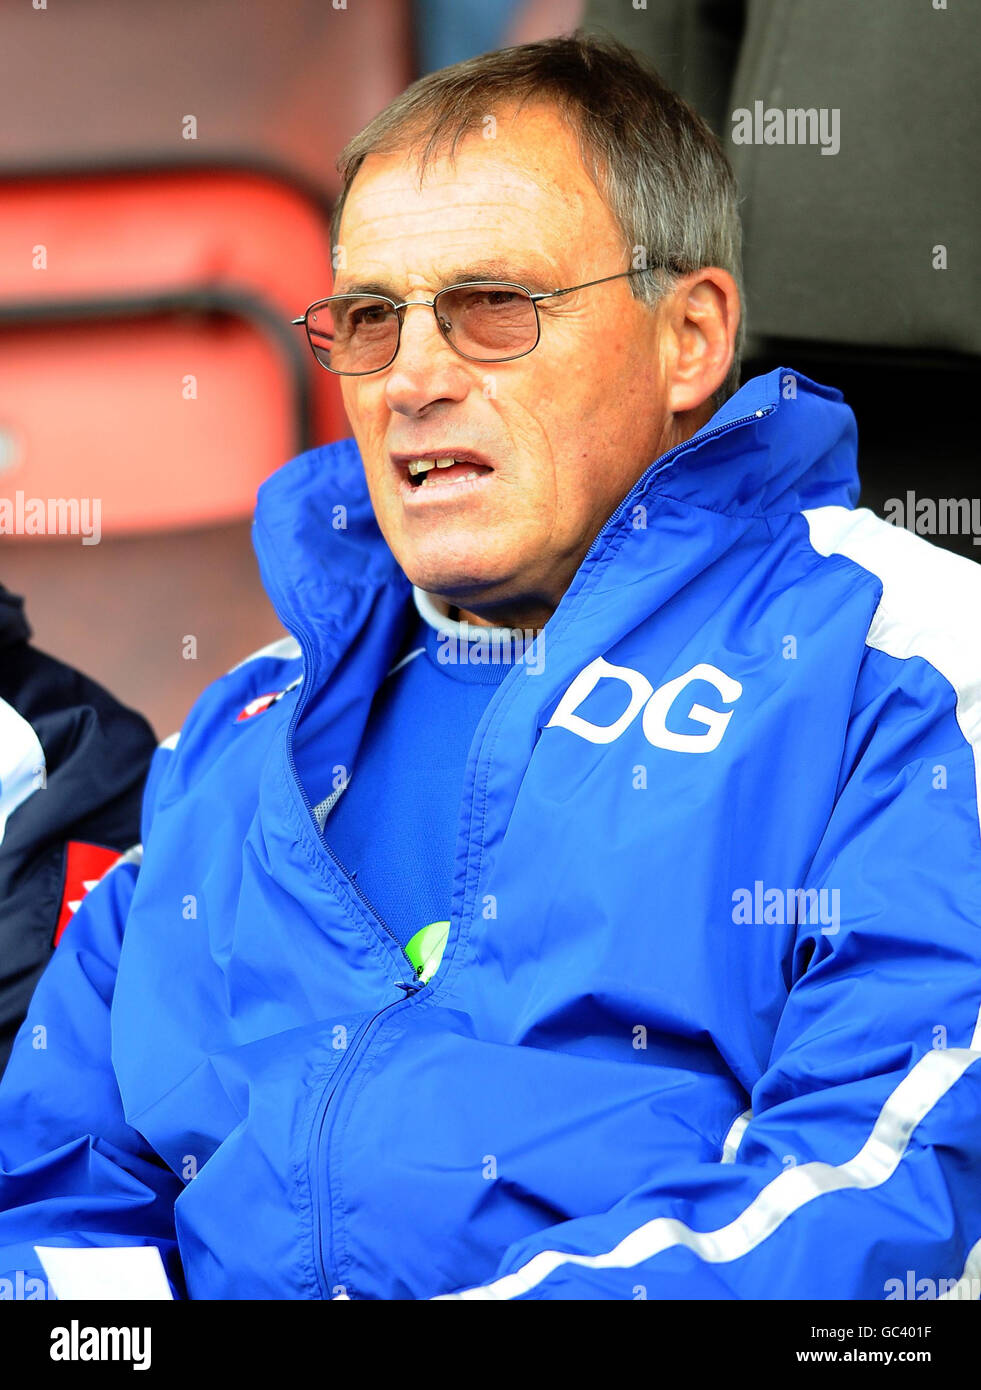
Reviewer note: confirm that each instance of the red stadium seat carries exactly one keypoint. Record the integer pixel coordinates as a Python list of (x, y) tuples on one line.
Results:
[(146, 356), (147, 361)]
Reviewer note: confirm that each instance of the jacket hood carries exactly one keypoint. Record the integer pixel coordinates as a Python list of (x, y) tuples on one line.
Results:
[(782, 443)]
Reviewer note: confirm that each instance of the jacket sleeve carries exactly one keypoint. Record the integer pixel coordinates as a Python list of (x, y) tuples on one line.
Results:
[(858, 1175), (72, 1171)]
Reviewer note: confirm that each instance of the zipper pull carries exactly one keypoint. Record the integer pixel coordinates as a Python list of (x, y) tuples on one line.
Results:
[(410, 987)]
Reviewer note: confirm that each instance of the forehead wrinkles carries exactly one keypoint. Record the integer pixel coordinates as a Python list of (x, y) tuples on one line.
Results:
[(400, 206), (478, 192), (394, 215)]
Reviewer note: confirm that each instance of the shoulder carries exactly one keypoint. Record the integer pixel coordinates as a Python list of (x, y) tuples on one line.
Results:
[(928, 611), (929, 601), (229, 708)]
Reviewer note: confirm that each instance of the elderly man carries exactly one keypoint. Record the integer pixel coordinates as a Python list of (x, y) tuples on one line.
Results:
[(586, 902)]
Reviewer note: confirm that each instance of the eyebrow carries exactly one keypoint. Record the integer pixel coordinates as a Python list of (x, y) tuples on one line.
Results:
[(533, 278)]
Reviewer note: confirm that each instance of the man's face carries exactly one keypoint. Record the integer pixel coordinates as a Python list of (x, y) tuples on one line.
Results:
[(562, 433)]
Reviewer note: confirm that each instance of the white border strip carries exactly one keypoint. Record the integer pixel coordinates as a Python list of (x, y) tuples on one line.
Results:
[(426, 607), (912, 1100), (427, 610), (411, 656), (730, 1145), (929, 607), (23, 770)]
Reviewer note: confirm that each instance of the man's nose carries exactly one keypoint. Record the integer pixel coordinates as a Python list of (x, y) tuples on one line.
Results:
[(426, 369)]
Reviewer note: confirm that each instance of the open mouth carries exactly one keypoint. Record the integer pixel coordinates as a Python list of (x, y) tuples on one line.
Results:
[(450, 471)]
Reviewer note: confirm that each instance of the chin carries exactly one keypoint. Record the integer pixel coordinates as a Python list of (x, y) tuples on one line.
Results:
[(459, 583), (458, 571), (449, 583)]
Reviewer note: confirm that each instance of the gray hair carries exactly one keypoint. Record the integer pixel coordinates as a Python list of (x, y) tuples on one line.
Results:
[(662, 171)]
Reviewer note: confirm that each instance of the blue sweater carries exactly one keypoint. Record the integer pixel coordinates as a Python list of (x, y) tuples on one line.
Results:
[(393, 828)]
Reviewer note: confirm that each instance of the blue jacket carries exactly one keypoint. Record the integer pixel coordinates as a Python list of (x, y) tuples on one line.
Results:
[(706, 1024)]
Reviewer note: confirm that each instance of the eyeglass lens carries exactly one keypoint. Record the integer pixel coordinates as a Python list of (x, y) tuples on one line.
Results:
[(355, 334)]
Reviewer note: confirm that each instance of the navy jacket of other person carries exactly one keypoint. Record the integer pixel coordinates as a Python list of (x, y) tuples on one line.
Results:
[(706, 1023), (73, 762)]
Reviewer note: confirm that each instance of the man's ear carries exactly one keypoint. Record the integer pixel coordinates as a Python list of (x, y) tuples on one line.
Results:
[(703, 322)]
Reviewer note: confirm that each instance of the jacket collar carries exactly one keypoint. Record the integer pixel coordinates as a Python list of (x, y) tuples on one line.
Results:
[(780, 444)]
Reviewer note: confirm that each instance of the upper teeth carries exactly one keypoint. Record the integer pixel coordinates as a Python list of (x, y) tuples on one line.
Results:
[(424, 465)]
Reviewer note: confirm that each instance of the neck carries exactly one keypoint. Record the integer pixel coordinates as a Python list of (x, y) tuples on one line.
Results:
[(529, 617)]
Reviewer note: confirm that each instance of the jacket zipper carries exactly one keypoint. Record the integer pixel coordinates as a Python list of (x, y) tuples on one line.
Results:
[(366, 902), (669, 457), (409, 987), (323, 1106)]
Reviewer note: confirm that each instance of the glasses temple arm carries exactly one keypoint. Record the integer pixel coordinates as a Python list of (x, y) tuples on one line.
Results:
[(638, 270)]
